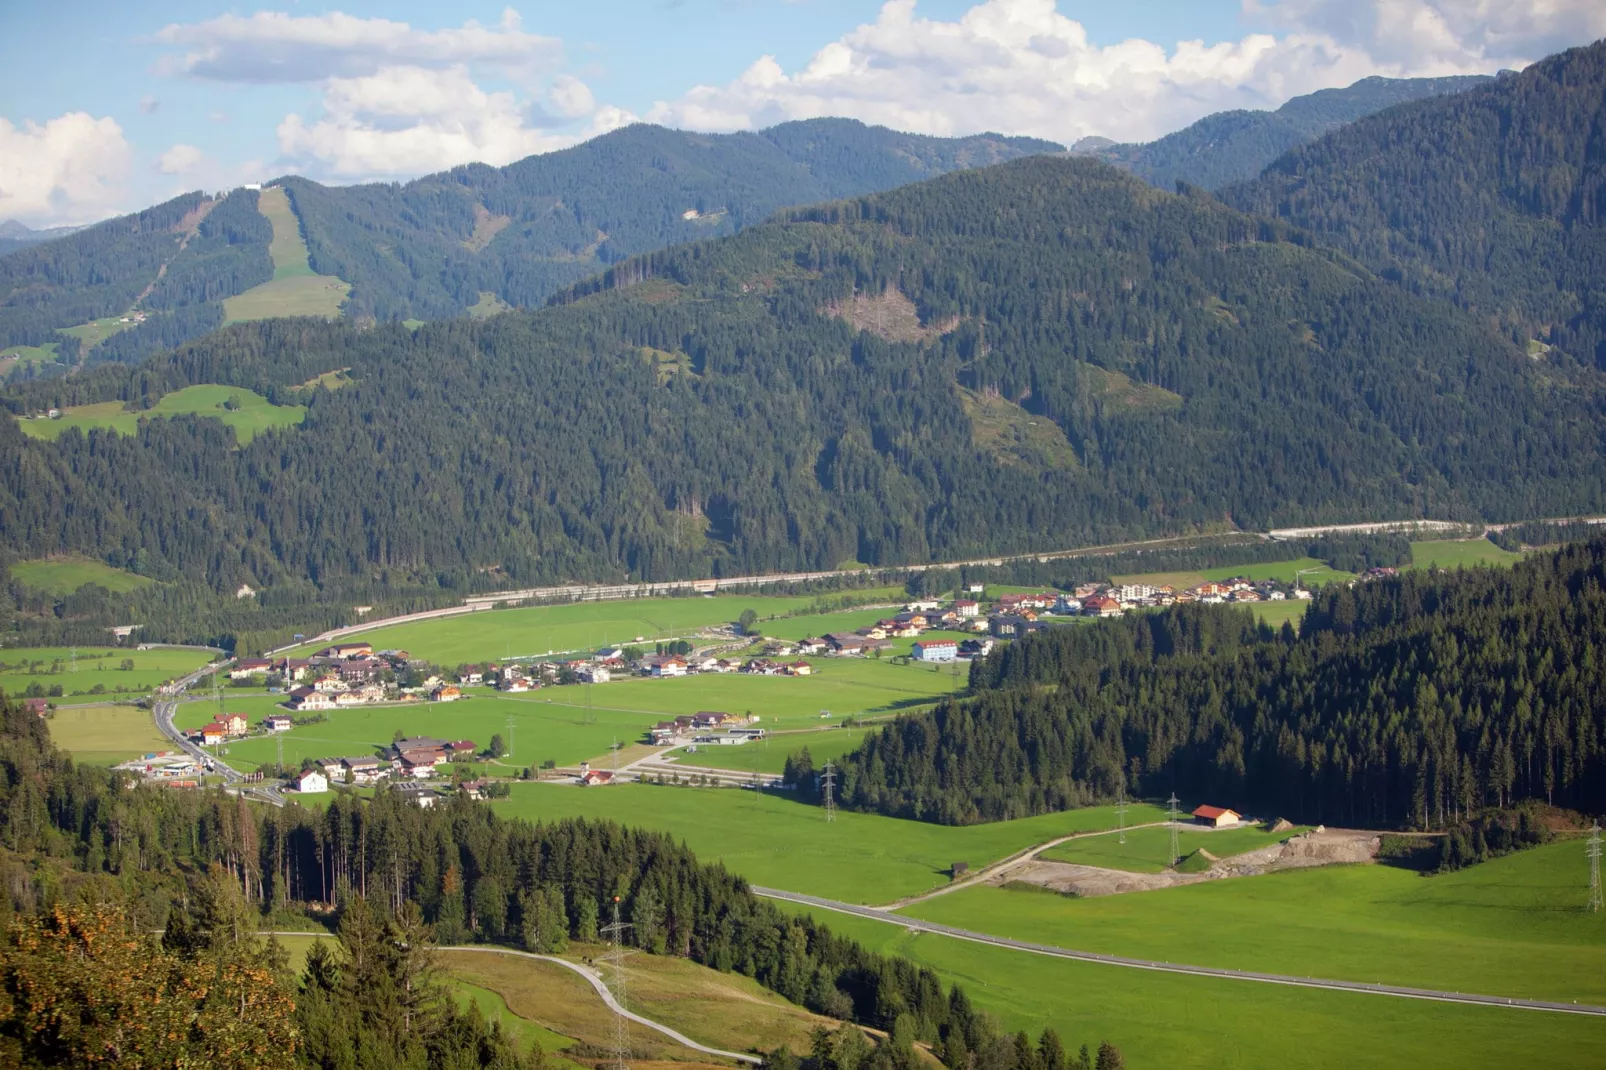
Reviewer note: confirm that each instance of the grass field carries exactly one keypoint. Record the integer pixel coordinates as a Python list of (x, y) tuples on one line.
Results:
[(1514, 926), (1147, 850), (295, 289), (1187, 1023), (45, 354), (1282, 571), (105, 735), (772, 839), (97, 331), (254, 413), (769, 754), (65, 575), (540, 630), (1460, 553), (488, 305), (523, 1031), (1291, 610), (21, 666)]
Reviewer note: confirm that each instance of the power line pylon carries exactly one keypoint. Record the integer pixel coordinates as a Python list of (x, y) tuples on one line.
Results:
[(509, 737), (827, 783), (616, 986), (1175, 851), (1120, 816), (1593, 850)]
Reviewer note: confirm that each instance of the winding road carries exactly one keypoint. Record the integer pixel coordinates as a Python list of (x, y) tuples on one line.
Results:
[(917, 926), (165, 709)]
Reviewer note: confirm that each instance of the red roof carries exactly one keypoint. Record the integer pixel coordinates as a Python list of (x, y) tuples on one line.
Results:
[(1213, 812)]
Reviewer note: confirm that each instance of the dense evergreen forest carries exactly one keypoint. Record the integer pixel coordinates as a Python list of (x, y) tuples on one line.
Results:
[(1047, 352), (1413, 701), (1234, 146), (210, 868), (1493, 198), (429, 248)]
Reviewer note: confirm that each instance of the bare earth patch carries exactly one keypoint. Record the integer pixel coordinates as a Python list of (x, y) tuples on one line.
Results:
[(486, 227), (891, 316)]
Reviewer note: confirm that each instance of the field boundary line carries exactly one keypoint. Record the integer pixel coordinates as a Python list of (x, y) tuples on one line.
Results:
[(915, 925)]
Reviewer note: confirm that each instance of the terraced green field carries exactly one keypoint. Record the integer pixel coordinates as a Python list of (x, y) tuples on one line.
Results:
[(772, 839), (66, 574), (1460, 553), (1513, 927), (252, 414), (96, 666), (1187, 1023), (1147, 850)]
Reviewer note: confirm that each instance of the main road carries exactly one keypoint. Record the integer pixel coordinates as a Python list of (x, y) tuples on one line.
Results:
[(165, 708), (1399, 991)]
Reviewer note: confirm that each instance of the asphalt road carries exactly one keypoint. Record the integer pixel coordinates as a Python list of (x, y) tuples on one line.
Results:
[(166, 708), (1398, 991)]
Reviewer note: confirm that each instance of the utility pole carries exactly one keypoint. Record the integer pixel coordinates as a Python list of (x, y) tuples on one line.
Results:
[(1175, 853), (616, 985), (74, 662), (827, 782), (509, 736), (1593, 851), (1120, 815)]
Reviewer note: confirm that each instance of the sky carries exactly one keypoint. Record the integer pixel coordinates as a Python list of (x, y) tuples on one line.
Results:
[(107, 106)]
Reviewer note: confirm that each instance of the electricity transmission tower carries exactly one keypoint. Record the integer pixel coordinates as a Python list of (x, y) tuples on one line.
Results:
[(509, 736), (74, 662), (1120, 816), (1593, 850), (827, 782), (1175, 853), (616, 985)]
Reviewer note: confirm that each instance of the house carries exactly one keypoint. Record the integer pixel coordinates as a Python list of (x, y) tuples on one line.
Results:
[(359, 670), (1012, 626), (812, 646), (246, 668), (446, 693), (234, 724), (1134, 592), (935, 650), (1215, 816), (594, 674), (1101, 606), (721, 739), (460, 746), (278, 722), (471, 675), (663, 665), (420, 795), (306, 698), (967, 608), (710, 719), (514, 684), (1246, 596), (976, 648), (294, 669), (922, 605), (873, 631), (329, 685), (417, 743), (664, 733), (311, 782), (350, 650), (800, 668), (420, 763), (362, 770), (37, 706), (213, 733), (592, 778)]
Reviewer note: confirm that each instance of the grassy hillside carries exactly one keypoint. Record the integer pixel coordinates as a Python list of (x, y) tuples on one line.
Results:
[(66, 575), (1148, 850), (252, 413), (1460, 553), (295, 289)]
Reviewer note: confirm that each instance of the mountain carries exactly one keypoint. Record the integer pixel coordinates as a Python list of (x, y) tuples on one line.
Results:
[(429, 249), (1233, 146), (1494, 198), (1043, 353), (14, 236)]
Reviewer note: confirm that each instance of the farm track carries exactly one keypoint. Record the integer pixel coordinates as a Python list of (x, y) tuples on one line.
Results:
[(915, 925)]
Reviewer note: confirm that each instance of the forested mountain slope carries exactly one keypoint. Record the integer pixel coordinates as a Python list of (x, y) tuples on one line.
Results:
[(1233, 146), (14, 235), (1415, 700), (1044, 353), (429, 248), (1494, 198)]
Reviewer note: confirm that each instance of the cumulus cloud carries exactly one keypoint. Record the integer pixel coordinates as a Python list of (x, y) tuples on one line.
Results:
[(406, 120), (181, 159), (274, 46), (1021, 67), (67, 170)]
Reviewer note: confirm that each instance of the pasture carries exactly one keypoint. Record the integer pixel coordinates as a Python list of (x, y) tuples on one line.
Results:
[(294, 290), (95, 667), (64, 575), (1315, 574), (1146, 850), (94, 332), (1514, 926), (768, 755), (105, 735), (1460, 553), (251, 413), (772, 839), (536, 631), (1190, 1023)]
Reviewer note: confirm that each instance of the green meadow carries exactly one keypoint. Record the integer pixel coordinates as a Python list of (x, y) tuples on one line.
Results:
[(105, 735), (1148, 850), (64, 575), (96, 666), (769, 754), (536, 631), (1194, 1023), (1315, 574), (1515, 926), (774, 840), (295, 289), (97, 331), (251, 415), (1460, 553)]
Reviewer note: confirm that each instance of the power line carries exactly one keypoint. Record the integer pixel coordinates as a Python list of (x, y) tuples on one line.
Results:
[(1120, 815), (509, 736), (1176, 855), (616, 985), (827, 782), (1593, 851)]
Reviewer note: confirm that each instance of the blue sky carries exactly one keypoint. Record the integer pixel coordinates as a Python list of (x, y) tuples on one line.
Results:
[(105, 107)]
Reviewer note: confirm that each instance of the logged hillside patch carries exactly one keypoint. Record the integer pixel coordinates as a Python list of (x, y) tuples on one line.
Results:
[(486, 227), (1014, 436), (1121, 394), (891, 315)]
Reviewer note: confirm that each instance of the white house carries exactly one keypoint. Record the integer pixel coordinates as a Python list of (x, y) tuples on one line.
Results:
[(935, 650), (312, 782)]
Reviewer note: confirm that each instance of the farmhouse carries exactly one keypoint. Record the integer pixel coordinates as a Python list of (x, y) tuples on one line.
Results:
[(311, 782), (593, 778), (1215, 816), (842, 643), (445, 693), (349, 650), (246, 668), (213, 733), (278, 722), (1101, 606), (935, 650), (234, 724), (306, 698), (37, 706), (362, 770), (420, 795), (595, 674)]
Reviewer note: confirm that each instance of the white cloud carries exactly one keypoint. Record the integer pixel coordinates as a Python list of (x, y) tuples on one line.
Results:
[(409, 120), (1021, 67), (67, 170), (274, 46), (570, 97), (181, 159)]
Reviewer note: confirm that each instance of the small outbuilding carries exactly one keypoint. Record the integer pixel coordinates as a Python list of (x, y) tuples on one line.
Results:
[(1215, 816)]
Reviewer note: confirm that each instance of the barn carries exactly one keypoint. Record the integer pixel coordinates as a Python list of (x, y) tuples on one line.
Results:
[(1215, 816)]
